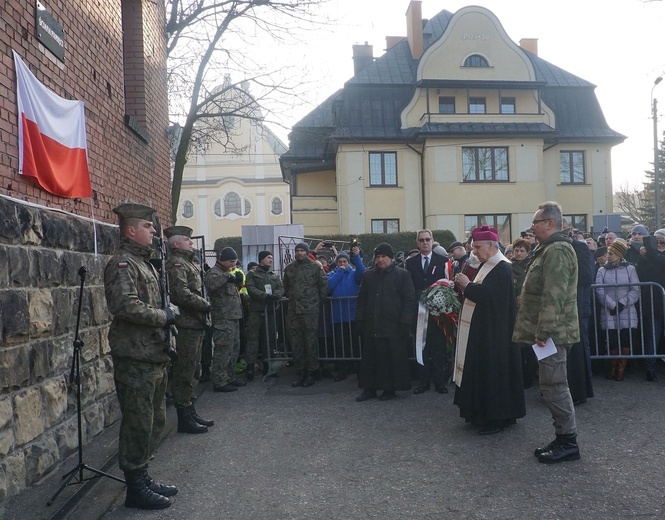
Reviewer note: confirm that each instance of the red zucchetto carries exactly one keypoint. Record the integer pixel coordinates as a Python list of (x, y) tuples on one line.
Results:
[(485, 233)]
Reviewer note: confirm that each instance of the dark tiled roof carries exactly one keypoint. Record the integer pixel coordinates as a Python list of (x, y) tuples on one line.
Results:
[(370, 104)]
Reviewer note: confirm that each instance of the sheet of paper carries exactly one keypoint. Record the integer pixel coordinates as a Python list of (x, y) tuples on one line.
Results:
[(542, 352)]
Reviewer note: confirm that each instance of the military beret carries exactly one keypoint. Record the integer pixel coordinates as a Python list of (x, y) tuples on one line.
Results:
[(133, 210), (178, 230)]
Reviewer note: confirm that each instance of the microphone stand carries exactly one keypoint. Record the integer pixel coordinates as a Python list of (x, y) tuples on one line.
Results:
[(75, 376)]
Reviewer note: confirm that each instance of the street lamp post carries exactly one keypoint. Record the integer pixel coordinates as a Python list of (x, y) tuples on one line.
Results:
[(656, 166)]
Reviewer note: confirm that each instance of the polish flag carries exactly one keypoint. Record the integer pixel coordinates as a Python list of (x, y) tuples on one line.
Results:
[(51, 137)]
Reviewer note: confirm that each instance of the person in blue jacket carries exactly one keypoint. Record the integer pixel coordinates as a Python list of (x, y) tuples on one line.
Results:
[(343, 286)]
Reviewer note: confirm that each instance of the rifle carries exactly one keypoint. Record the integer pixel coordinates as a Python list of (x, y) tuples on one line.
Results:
[(171, 330), (204, 291)]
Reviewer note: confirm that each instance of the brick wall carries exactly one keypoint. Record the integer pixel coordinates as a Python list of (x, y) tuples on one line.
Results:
[(123, 166), (41, 250)]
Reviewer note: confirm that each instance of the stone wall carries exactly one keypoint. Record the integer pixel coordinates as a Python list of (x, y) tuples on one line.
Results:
[(41, 252)]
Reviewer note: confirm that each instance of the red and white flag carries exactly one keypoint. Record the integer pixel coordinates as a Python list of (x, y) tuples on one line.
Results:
[(51, 137)]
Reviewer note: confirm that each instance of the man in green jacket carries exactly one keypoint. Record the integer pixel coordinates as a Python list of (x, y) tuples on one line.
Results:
[(264, 288), (548, 310), (137, 341)]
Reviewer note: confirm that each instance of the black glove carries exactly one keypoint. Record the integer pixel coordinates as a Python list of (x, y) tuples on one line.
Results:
[(232, 278), (621, 307), (274, 298), (613, 312), (239, 281), (170, 316)]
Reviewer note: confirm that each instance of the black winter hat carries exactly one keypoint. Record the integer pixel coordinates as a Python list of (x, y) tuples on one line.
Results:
[(228, 253), (384, 249), (263, 254)]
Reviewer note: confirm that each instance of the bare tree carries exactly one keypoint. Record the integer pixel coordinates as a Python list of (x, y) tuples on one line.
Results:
[(211, 65), (633, 203)]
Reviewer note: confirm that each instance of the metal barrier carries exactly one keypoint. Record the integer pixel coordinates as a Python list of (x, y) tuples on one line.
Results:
[(338, 339), (612, 341)]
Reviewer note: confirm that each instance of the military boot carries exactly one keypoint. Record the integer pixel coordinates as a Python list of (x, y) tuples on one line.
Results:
[(199, 419), (187, 423), (301, 380), (309, 379), (566, 449), (139, 495), (548, 447), (249, 374), (161, 489)]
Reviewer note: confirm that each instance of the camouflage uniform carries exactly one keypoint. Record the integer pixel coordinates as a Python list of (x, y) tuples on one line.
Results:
[(306, 285), (226, 315), (185, 287), (137, 340), (256, 283)]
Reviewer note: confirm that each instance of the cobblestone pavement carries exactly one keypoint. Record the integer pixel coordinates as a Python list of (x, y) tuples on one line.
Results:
[(278, 452)]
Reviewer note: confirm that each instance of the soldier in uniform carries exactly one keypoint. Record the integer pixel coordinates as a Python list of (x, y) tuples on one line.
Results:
[(226, 315), (306, 285), (137, 340), (185, 285), (264, 288)]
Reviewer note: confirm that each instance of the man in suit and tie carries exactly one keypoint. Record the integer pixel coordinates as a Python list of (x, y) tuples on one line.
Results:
[(426, 268)]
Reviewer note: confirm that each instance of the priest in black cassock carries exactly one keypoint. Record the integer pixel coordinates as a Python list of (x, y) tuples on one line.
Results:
[(488, 366)]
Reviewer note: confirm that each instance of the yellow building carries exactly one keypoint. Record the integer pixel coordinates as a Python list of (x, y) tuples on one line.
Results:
[(236, 181), (453, 127)]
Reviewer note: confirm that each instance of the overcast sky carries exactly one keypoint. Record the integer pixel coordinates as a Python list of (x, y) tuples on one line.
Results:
[(619, 46)]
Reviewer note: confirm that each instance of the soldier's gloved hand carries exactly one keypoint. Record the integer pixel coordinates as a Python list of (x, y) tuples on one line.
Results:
[(239, 281), (208, 307), (171, 312), (232, 278)]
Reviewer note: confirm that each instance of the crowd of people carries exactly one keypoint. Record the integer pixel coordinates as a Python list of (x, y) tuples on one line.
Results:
[(525, 308)]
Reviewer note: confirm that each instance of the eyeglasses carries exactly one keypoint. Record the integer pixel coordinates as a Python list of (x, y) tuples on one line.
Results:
[(424, 239), (534, 222)]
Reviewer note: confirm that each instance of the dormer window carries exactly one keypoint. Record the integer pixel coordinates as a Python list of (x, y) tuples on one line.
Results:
[(475, 60)]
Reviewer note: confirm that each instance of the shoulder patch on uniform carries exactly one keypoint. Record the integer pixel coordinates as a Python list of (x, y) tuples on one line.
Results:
[(122, 265)]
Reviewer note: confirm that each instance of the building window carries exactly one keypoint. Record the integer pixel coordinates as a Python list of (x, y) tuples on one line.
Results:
[(446, 105), (187, 209), (507, 105), (487, 164), (386, 225), (217, 208), (276, 206), (383, 168), (248, 208), (576, 222), (232, 204), (499, 222), (477, 105), (571, 167), (476, 60)]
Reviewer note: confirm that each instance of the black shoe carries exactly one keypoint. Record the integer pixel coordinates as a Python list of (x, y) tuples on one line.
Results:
[(249, 373), (139, 495), (340, 376), (300, 381), (309, 380), (565, 450), (421, 388), (238, 382), (441, 389), (366, 395), (490, 429), (201, 420), (161, 489), (205, 377), (387, 395), (226, 388), (651, 376), (187, 424), (549, 447)]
